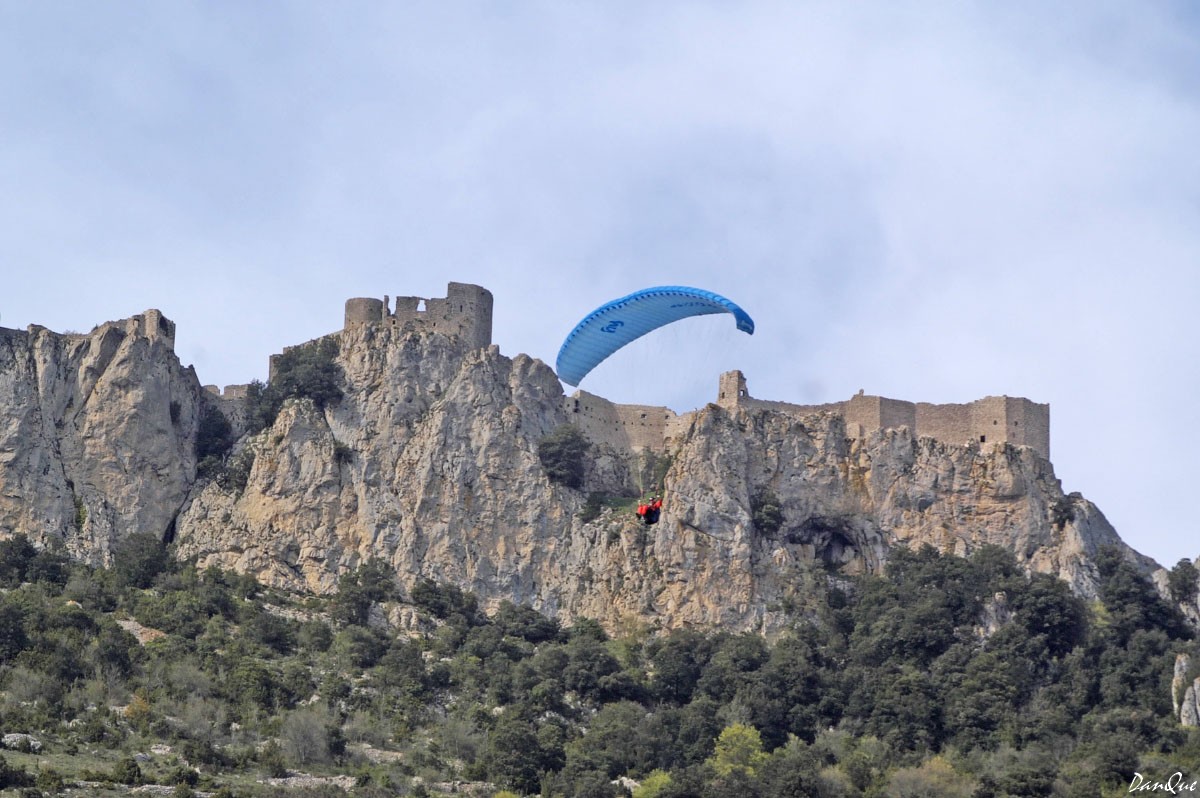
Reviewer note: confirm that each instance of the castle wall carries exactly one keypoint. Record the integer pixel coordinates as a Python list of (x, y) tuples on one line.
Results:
[(465, 312), (866, 413), (363, 310), (991, 420), (732, 394), (473, 306), (629, 427), (948, 423), (236, 392), (1013, 420), (232, 404), (1034, 418)]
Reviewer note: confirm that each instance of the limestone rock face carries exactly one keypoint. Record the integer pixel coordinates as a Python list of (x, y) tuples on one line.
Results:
[(1179, 681), (430, 462), (97, 433)]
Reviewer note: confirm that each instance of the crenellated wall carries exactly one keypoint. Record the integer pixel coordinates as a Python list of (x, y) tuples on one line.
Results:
[(993, 419), (624, 427), (465, 311), (232, 404)]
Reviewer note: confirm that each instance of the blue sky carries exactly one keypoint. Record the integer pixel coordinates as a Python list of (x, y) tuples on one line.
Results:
[(928, 201)]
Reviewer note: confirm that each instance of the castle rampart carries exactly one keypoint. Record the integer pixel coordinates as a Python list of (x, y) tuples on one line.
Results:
[(231, 391), (156, 325), (465, 312), (232, 404), (625, 427), (993, 419)]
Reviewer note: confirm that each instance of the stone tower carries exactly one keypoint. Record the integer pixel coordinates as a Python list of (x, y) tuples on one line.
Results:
[(465, 312)]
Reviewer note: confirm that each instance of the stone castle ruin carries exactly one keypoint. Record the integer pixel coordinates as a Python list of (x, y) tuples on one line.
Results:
[(466, 313), (992, 420)]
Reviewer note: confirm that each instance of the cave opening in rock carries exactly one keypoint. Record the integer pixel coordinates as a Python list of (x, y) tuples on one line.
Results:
[(831, 538)]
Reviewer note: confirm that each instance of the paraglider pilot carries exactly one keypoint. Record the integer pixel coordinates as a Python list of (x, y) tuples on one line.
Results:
[(649, 511)]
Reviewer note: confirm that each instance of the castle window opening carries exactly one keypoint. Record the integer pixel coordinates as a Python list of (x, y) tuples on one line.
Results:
[(420, 306), (983, 439), (994, 422)]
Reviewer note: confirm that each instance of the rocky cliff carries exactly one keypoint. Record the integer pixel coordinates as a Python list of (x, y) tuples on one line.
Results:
[(429, 461), (98, 433)]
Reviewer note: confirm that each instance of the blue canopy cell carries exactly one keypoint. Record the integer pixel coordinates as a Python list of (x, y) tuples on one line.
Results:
[(615, 324)]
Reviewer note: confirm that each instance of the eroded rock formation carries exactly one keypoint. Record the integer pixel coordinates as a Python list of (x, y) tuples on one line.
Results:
[(430, 462), (98, 431)]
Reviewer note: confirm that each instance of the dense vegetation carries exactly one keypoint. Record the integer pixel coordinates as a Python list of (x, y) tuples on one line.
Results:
[(563, 455), (309, 371), (950, 677)]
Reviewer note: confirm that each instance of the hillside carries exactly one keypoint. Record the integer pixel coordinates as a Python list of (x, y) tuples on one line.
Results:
[(409, 564), (421, 450)]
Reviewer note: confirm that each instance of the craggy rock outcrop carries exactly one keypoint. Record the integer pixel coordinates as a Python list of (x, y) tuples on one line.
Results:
[(97, 433), (430, 462), (1185, 696)]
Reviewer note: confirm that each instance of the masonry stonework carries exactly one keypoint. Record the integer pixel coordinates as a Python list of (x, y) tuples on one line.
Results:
[(624, 427), (465, 311), (993, 419)]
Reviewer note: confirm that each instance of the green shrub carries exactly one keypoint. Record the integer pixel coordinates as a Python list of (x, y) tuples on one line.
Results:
[(16, 553), (126, 771), (1182, 581), (1062, 512), (236, 472), (214, 436), (138, 558), (13, 776), (563, 453), (445, 601), (765, 512), (81, 513), (592, 507), (302, 372), (49, 780), (370, 583)]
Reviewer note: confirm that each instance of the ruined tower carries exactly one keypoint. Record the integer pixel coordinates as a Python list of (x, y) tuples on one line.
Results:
[(465, 312)]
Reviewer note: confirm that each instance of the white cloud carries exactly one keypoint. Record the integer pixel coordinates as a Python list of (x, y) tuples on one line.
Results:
[(930, 201)]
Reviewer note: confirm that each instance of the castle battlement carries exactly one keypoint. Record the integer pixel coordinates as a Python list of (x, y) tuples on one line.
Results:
[(234, 392), (993, 419), (624, 427), (465, 311)]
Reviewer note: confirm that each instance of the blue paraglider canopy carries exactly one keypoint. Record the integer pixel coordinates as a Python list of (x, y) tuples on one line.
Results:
[(615, 324)]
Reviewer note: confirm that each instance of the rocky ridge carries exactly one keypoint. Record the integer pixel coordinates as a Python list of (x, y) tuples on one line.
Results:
[(98, 433), (429, 462)]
